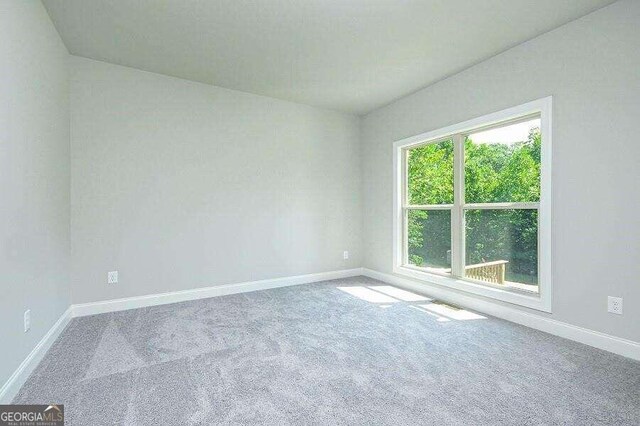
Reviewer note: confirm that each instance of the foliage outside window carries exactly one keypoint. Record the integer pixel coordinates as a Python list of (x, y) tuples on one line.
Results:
[(485, 227)]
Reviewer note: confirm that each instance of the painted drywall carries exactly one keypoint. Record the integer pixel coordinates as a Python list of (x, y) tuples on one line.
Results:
[(180, 185), (591, 68), (34, 179)]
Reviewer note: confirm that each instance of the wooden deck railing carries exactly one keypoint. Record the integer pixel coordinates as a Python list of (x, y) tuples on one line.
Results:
[(492, 272)]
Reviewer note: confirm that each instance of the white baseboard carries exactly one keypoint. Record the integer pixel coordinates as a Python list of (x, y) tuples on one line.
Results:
[(12, 386), (624, 347), (206, 292)]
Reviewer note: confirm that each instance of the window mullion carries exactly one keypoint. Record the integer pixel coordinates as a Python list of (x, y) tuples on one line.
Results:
[(457, 212), (429, 207), (503, 206)]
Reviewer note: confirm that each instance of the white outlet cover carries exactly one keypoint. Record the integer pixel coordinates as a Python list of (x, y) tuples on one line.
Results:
[(27, 320), (345, 255), (614, 305), (112, 277)]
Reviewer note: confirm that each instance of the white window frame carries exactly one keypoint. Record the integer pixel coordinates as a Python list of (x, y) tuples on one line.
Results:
[(540, 301)]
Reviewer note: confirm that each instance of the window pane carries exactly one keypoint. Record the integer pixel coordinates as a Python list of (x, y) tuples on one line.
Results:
[(429, 239), (502, 247), (430, 174), (503, 164)]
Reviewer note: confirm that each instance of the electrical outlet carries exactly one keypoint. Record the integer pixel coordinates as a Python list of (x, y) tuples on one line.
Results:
[(112, 277), (27, 320), (614, 305), (345, 255)]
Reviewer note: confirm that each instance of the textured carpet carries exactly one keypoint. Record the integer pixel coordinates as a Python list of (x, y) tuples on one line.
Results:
[(352, 351)]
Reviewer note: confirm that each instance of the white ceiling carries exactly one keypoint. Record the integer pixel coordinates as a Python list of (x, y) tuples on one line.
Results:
[(347, 55)]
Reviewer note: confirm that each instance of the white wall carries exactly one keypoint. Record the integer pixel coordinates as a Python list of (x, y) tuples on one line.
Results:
[(592, 69), (34, 179), (180, 185)]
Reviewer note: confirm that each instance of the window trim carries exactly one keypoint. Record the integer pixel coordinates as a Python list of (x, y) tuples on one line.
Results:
[(543, 300)]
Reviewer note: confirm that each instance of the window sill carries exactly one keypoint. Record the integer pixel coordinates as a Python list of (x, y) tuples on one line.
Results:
[(540, 302)]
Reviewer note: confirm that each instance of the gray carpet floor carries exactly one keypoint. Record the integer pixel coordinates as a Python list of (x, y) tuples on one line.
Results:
[(353, 351)]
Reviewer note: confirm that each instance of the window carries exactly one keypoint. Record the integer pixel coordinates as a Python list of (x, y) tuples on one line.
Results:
[(472, 207)]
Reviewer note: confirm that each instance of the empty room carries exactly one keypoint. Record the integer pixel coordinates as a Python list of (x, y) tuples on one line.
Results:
[(319, 212)]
